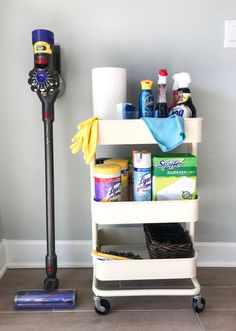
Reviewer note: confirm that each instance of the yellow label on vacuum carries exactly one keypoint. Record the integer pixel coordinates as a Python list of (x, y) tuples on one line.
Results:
[(42, 47)]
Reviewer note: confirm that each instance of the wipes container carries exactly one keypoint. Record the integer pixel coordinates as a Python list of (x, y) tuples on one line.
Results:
[(107, 179), (174, 177), (124, 176)]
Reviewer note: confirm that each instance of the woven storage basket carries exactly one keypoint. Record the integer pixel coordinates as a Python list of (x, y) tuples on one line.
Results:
[(167, 241)]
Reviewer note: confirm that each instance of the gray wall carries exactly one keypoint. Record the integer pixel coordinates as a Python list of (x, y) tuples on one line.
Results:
[(142, 36)]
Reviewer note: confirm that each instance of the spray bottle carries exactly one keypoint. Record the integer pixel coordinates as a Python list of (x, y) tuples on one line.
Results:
[(184, 106), (161, 105), (146, 99)]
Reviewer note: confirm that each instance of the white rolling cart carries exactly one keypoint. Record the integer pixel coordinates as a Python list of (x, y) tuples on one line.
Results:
[(125, 215)]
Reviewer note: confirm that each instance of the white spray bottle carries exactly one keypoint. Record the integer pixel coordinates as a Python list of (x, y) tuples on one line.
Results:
[(184, 107)]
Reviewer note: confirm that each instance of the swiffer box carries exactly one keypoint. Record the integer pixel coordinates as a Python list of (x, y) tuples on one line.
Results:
[(174, 177)]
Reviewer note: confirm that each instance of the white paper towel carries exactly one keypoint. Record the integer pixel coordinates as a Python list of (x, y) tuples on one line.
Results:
[(109, 89)]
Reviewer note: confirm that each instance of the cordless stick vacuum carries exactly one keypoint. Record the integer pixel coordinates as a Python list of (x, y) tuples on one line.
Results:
[(45, 80)]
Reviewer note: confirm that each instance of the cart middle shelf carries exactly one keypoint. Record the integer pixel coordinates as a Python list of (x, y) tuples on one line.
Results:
[(133, 212)]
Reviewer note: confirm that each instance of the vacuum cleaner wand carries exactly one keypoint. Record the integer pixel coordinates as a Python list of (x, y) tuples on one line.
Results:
[(45, 80)]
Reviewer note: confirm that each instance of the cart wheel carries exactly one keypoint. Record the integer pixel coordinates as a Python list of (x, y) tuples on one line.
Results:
[(102, 306), (50, 284), (198, 304)]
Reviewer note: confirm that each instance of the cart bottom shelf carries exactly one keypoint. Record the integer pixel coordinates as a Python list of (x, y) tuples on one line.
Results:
[(112, 270)]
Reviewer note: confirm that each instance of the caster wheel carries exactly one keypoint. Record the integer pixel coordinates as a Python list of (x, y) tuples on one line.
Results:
[(50, 284), (103, 307), (198, 307)]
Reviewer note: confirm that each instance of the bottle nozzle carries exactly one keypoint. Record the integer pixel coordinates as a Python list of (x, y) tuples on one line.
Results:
[(183, 79), (146, 84), (162, 76)]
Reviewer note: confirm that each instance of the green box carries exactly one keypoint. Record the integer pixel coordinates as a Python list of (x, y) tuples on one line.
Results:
[(174, 177)]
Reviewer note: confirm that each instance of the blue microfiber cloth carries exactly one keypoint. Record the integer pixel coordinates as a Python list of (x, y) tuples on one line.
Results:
[(168, 132)]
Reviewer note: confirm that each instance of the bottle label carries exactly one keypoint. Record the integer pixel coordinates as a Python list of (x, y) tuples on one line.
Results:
[(162, 94), (183, 97), (148, 103), (142, 184), (182, 111), (107, 189)]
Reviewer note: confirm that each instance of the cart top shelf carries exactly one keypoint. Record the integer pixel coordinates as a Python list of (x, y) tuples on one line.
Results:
[(133, 132)]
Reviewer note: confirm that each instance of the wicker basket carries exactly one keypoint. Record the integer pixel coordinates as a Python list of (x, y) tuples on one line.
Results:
[(167, 241)]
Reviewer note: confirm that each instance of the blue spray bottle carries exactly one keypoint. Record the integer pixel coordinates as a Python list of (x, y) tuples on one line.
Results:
[(146, 99)]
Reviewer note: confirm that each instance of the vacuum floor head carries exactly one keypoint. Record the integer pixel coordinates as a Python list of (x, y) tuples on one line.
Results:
[(41, 299)]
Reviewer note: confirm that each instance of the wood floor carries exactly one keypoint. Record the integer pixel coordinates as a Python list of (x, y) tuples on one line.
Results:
[(133, 313)]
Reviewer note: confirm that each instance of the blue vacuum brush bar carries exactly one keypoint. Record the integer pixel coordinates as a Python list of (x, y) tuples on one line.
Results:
[(41, 299)]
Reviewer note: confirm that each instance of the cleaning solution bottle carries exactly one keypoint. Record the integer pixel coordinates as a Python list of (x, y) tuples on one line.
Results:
[(184, 106), (146, 99), (161, 105), (142, 176)]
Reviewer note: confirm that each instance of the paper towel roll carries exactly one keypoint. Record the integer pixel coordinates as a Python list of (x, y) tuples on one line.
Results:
[(109, 88)]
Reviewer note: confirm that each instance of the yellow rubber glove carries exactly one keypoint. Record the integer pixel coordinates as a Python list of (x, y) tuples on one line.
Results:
[(90, 151), (86, 139)]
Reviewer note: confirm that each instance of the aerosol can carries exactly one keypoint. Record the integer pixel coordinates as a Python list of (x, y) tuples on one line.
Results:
[(142, 176)]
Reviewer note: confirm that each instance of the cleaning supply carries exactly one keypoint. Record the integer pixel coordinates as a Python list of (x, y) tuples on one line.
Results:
[(168, 132), (124, 176), (120, 109), (184, 107), (131, 174), (146, 99), (174, 177), (161, 109), (130, 113), (86, 139), (107, 178), (45, 80), (142, 176)]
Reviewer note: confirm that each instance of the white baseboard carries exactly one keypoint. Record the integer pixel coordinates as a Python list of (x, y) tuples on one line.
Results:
[(77, 253), (31, 253), (3, 262), (216, 254)]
